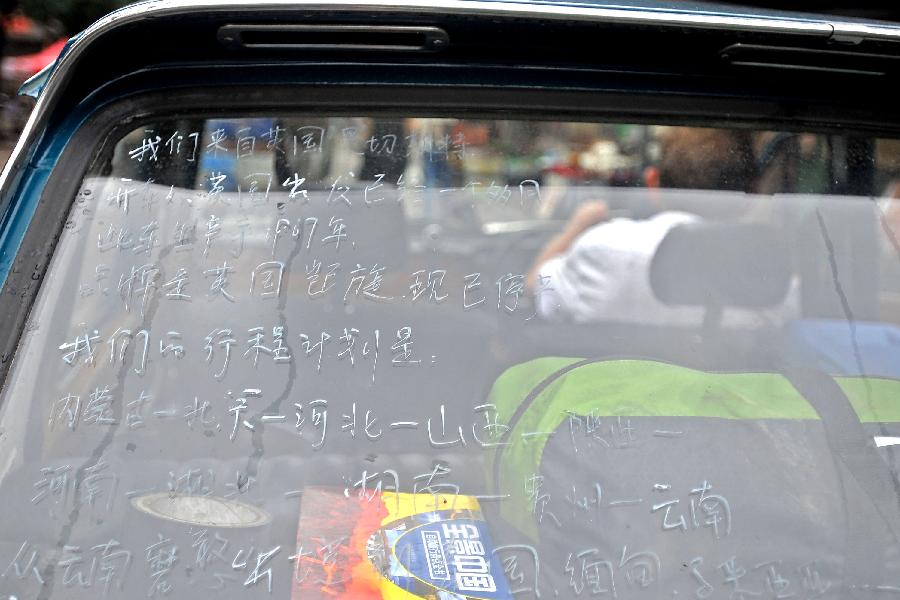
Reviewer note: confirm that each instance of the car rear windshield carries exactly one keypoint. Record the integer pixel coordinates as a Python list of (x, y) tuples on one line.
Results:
[(314, 356)]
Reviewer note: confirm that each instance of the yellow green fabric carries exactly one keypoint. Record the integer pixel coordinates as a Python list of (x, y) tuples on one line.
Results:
[(874, 400), (638, 388)]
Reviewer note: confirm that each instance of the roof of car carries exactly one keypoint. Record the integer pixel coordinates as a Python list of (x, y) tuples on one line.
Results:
[(660, 13)]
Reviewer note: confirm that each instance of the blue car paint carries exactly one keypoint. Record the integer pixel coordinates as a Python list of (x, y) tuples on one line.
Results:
[(30, 186), (35, 84), (41, 160)]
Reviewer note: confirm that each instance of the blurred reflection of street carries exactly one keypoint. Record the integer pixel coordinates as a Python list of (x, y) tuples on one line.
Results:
[(5, 150)]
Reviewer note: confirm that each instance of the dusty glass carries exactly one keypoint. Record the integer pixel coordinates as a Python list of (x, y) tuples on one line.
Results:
[(315, 357)]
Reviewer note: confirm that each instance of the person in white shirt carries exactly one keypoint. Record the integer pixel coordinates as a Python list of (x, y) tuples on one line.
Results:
[(597, 269)]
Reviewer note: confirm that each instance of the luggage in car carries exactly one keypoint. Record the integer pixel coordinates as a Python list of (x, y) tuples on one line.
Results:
[(644, 475)]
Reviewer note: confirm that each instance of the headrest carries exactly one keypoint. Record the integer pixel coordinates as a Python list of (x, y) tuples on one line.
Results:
[(722, 264)]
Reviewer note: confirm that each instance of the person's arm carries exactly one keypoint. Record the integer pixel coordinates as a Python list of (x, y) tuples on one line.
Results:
[(585, 216)]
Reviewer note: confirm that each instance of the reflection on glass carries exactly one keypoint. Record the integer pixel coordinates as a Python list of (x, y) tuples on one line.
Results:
[(315, 357)]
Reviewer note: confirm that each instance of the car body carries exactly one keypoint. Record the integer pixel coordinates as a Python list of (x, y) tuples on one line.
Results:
[(439, 299)]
